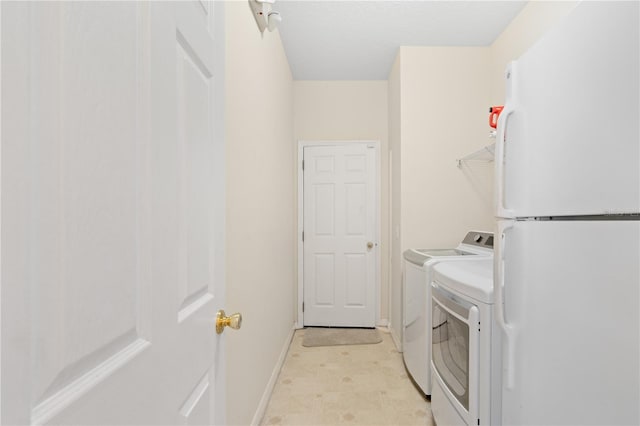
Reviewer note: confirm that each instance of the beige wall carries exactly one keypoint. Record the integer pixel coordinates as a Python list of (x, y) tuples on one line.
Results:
[(444, 117), (438, 102), (260, 209), (349, 110)]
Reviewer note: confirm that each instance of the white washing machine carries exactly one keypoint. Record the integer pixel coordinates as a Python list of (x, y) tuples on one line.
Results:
[(418, 265), (464, 337)]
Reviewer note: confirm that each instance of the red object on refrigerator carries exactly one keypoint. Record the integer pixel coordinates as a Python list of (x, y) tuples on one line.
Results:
[(494, 113)]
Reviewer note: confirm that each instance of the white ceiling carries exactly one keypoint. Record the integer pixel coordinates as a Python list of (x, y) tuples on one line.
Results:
[(358, 40)]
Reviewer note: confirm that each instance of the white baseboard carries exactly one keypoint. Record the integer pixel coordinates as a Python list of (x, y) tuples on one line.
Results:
[(396, 339), (266, 396)]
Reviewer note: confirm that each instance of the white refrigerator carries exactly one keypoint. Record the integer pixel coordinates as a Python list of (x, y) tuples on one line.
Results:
[(567, 252)]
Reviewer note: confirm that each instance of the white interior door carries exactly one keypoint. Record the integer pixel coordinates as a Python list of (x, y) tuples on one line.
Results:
[(111, 187), (340, 235)]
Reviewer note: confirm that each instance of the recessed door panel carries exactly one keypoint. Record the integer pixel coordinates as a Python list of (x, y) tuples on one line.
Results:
[(324, 165), (87, 274), (324, 194), (324, 268), (356, 209), (196, 409), (193, 82), (356, 273)]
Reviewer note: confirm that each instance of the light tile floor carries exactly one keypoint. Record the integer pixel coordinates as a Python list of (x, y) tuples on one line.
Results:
[(354, 384)]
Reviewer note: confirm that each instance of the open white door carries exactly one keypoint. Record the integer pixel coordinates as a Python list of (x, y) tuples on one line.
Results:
[(340, 235), (111, 193)]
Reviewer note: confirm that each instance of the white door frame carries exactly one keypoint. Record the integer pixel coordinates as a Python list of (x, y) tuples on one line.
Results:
[(377, 214)]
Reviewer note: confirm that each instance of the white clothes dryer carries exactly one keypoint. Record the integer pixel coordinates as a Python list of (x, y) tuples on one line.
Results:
[(417, 277), (464, 344)]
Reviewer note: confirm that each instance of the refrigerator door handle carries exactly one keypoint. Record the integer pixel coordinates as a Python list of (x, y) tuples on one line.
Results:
[(508, 343), (503, 119), (501, 210)]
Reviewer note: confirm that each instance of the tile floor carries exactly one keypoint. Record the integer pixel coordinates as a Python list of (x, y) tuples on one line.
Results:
[(354, 384)]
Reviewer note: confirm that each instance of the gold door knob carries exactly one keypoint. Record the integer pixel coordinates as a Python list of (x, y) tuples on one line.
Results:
[(234, 321), (369, 245)]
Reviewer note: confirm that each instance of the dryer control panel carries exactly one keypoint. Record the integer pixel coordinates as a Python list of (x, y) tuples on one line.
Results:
[(479, 238)]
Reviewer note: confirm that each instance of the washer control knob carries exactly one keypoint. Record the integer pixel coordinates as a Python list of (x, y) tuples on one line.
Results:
[(477, 238)]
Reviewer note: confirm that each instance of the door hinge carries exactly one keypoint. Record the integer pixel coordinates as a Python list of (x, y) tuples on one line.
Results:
[(303, 236), (302, 164), (302, 306)]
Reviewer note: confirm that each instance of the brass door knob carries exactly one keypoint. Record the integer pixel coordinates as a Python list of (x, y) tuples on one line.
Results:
[(234, 321), (369, 245)]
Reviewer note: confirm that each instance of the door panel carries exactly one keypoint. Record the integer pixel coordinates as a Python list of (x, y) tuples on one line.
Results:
[(108, 279), (195, 410), (193, 82), (356, 199), (339, 221), (324, 195), (355, 273), (324, 267)]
